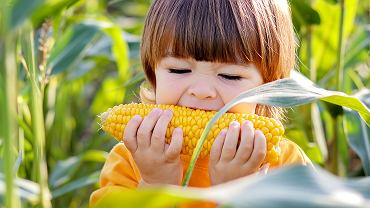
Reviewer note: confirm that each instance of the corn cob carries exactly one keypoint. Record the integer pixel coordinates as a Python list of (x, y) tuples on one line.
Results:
[(193, 122)]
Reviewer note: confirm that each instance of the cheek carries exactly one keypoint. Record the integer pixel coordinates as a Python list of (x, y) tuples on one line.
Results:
[(229, 93), (168, 90), (249, 108)]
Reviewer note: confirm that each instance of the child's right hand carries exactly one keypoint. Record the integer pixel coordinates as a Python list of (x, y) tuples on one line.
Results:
[(158, 162)]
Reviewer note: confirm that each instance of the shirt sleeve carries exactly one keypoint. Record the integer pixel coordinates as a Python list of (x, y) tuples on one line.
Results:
[(291, 154), (119, 170)]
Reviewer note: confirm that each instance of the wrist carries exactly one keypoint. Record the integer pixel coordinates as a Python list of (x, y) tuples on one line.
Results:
[(143, 183)]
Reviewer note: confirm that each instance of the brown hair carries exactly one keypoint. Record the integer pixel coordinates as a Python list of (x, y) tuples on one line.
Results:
[(248, 31)]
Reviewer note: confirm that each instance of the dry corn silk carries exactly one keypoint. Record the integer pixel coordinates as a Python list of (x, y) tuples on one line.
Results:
[(193, 122)]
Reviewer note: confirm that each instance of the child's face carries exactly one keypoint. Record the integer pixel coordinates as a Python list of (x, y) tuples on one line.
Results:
[(204, 85)]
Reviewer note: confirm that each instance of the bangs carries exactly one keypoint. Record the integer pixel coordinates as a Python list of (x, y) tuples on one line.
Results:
[(205, 30), (227, 31)]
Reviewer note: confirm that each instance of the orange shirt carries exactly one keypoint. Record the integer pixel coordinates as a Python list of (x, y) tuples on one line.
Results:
[(120, 168)]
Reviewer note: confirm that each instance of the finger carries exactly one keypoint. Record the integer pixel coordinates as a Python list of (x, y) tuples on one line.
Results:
[(144, 133), (216, 148), (246, 142), (174, 149), (159, 132), (231, 140), (130, 132), (259, 151)]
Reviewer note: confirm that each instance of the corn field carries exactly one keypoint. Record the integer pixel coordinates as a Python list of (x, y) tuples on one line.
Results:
[(63, 62)]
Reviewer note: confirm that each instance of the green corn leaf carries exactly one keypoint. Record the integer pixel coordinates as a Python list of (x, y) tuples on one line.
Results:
[(71, 47), (303, 13), (357, 47), (27, 190), (283, 93), (36, 10), (65, 169), (325, 35), (358, 133), (77, 184), (23, 9), (119, 50), (293, 186), (119, 46), (155, 197)]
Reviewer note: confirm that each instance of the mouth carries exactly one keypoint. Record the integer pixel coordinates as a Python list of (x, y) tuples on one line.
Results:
[(202, 108)]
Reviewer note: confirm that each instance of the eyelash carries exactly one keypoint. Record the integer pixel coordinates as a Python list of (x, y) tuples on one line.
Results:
[(225, 76)]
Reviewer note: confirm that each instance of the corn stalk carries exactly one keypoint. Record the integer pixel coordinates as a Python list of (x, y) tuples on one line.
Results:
[(8, 100), (8, 124), (317, 128), (38, 127), (338, 118)]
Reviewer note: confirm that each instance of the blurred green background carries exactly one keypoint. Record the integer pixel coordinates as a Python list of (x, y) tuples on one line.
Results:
[(63, 62)]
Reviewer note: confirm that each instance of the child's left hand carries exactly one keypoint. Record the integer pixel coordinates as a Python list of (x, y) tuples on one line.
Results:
[(227, 162)]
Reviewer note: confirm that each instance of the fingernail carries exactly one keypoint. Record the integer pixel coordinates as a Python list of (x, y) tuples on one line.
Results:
[(235, 124), (168, 113), (137, 118), (248, 123), (259, 132), (157, 111), (223, 132), (177, 130)]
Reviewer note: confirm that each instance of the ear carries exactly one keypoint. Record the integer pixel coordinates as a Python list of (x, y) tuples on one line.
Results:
[(147, 93)]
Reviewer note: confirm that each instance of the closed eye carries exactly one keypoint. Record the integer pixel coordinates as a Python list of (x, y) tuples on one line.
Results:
[(224, 76), (230, 77), (179, 71)]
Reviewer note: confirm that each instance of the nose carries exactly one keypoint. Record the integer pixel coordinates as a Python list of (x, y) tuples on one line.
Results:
[(202, 89)]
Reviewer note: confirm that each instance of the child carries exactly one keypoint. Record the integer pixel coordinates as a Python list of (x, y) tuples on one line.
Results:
[(202, 54)]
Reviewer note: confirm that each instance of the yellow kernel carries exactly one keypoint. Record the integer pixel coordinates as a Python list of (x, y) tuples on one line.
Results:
[(268, 135), (269, 146), (274, 139), (119, 118), (275, 131), (265, 130)]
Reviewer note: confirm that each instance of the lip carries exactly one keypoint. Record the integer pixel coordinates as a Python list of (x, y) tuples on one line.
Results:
[(201, 108)]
